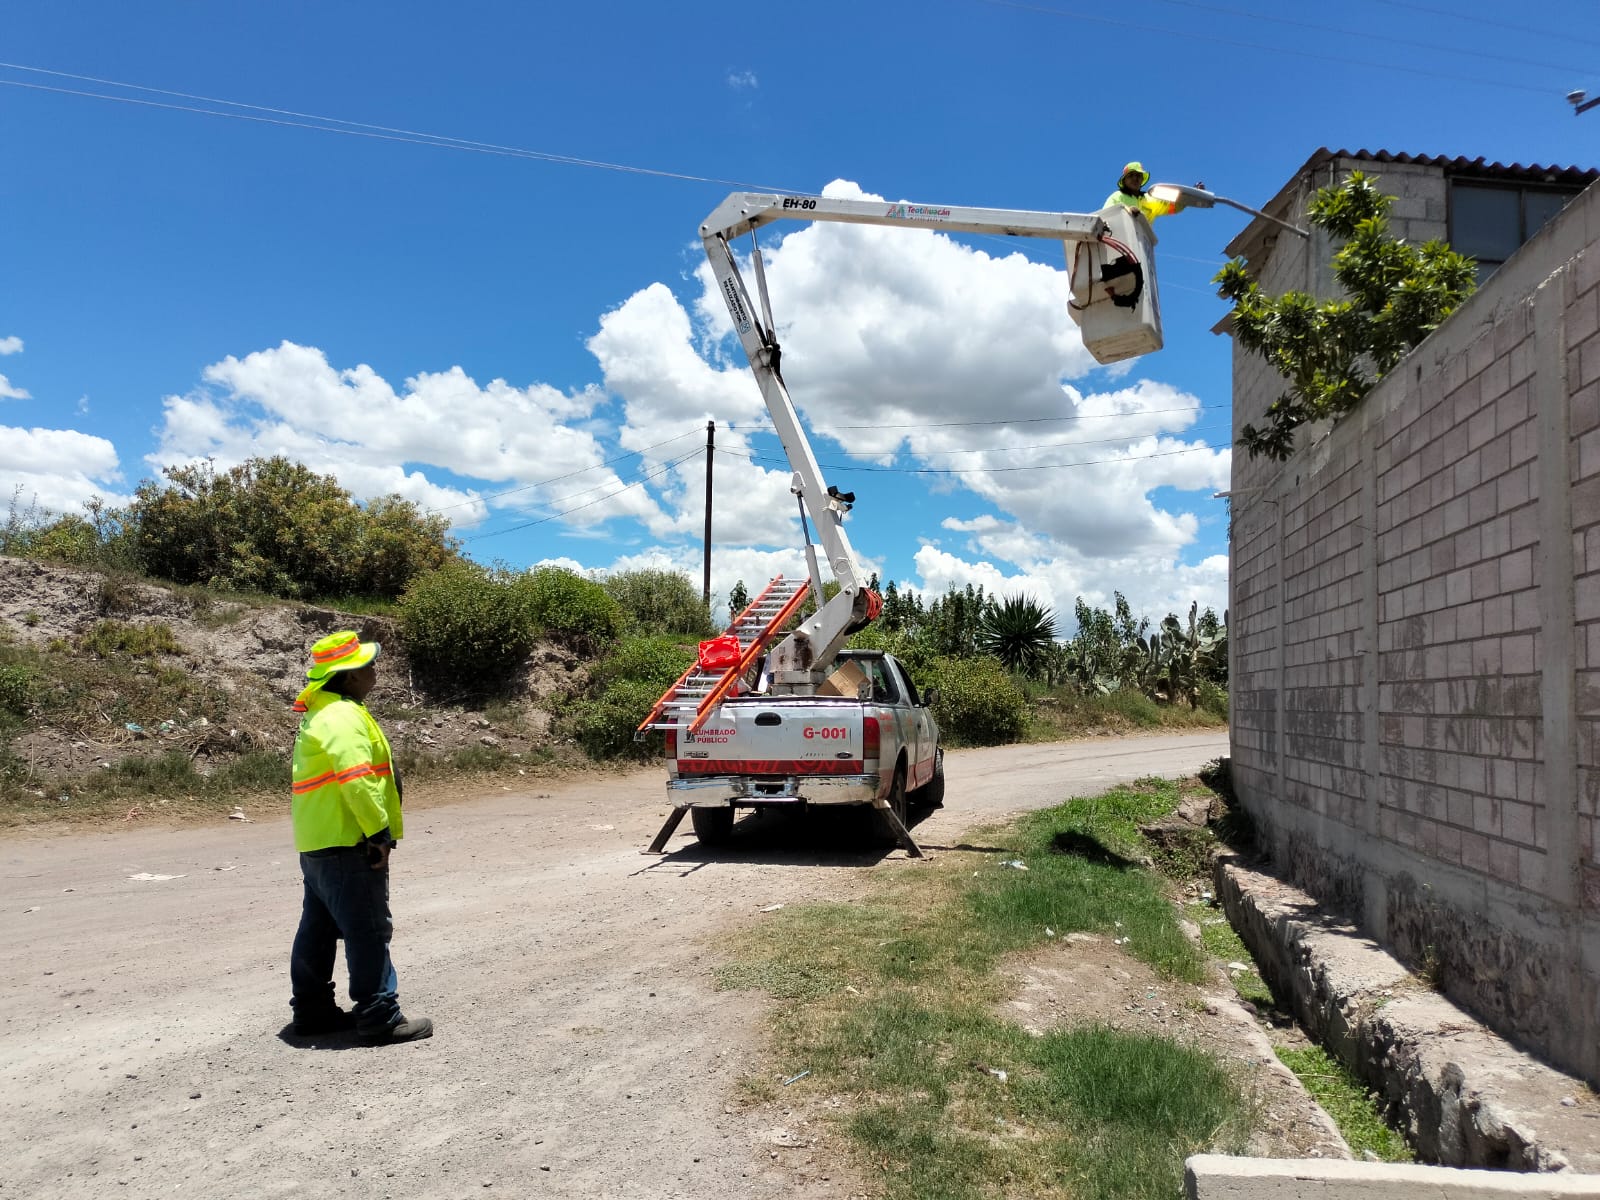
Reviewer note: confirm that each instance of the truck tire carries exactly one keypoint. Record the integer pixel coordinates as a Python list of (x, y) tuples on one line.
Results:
[(712, 826), (898, 804), (931, 794)]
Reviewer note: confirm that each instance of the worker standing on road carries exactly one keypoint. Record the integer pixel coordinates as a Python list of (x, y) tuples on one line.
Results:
[(347, 820), (1130, 193)]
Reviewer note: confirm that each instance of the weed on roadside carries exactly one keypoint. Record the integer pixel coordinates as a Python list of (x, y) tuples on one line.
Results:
[(1224, 944), (1343, 1098)]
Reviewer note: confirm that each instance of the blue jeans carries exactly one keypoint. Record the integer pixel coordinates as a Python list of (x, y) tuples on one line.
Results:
[(344, 898)]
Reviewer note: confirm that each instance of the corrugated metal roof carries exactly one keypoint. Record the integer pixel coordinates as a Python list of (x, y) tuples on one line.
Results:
[(1250, 240), (1463, 165)]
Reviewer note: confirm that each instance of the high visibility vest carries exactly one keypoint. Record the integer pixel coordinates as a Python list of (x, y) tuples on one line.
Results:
[(344, 787), (1148, 205)]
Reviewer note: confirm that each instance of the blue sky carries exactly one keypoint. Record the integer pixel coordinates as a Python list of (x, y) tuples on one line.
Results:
[(514, 340)]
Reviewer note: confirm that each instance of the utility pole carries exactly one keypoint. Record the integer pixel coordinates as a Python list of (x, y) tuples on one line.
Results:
[(711, 446)]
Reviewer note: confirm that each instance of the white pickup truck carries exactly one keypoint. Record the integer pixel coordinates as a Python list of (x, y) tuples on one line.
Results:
[(866, 737)]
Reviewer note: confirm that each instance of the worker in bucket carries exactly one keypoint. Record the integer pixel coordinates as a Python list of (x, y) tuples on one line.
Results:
[(1130, 193), (347, 821)]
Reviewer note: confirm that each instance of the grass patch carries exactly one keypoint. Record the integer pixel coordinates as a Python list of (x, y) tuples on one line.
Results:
[(1069, 886), (1065, 712), (112, 639), (1352, 1108), (1223, 943), (891, 1000)]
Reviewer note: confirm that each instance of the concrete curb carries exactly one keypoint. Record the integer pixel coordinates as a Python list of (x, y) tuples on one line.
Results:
[(1464, 1096), (1220, 1177)]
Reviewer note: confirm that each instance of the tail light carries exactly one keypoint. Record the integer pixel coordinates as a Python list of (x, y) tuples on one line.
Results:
[(870, 737), (672, 743)]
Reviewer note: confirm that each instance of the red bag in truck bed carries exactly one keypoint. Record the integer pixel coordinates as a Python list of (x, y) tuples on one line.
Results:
[(719, 653)]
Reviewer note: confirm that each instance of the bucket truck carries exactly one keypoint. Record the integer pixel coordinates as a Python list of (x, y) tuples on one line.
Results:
[(801, 723)]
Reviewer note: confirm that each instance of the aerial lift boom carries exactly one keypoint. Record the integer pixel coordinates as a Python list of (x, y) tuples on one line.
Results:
[(1113, 301)]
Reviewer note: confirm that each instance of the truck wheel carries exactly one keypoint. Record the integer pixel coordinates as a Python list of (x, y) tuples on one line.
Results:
[(898, 804), (712, 826), (931, 794)]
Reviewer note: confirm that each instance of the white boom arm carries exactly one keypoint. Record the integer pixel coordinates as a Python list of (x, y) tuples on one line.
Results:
[(1114, 300)]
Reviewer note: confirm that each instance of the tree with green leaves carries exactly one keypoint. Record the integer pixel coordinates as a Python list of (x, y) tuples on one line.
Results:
[(1333, 352), (738, 600)]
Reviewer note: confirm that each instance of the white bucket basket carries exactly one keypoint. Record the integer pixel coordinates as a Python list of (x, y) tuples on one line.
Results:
[(1114, 297)]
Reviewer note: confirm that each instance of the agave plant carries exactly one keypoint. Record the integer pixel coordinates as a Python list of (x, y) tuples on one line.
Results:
[(1019, 632)]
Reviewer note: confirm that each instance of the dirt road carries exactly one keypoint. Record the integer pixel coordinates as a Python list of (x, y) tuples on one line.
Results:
[(581, 1048)]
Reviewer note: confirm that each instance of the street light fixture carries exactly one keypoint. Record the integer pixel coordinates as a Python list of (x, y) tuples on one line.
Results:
[(1197, 197), (1579, 104)]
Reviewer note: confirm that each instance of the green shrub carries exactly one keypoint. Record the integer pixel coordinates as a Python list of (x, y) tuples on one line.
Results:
[(1213, 698), (656, 601), (467, 629), (274, 526), (915, 654), (111, 638), (657, 661), (16, 689), (603, 725), (575, 609), (979, 704), (1133, 705)]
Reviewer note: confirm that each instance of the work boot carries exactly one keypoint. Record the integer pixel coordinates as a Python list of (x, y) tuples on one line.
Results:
[(401, 1031), (334, 1020)]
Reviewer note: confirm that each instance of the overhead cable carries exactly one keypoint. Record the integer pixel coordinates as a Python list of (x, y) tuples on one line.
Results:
[(644, 478), (1410, 68), (362, 129), (558, 478), (1386, 36), (757, 458)]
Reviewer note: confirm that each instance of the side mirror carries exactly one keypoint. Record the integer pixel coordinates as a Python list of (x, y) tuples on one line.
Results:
[(930, 697)]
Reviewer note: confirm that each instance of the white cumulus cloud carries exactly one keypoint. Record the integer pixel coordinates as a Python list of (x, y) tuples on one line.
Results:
[(377, 439), (10, 345), (56, 470)]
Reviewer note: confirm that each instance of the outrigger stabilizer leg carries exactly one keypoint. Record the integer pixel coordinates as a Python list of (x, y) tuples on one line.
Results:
[(898, 828), (674, 819)]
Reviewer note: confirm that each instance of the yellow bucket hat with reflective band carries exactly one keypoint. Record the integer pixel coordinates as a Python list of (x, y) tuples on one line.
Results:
[(1134, 168), (342, 651)]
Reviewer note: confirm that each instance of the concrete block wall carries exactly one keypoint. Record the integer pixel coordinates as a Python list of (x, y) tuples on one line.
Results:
[(1415, 621)]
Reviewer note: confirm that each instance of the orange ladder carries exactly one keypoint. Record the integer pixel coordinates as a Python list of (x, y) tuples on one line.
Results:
[(697, 692)]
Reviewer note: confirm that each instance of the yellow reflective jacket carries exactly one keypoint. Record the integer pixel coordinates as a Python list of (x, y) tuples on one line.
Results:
[(344, 786), (1148, 205)]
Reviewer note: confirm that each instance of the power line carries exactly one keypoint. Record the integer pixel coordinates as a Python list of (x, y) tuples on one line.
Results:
[(1563, 35), (1408, 68), (323, 124), (756, 458), (1035, 420), (653, 473), (558, 478), (1358, 33)]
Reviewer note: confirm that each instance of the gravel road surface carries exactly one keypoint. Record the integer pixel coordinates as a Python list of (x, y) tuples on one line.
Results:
[(581, 1049)]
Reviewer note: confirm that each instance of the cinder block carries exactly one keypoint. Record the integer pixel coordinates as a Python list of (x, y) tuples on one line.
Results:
[(1516, 822), (1474, 851), (1505, 862), (1516, 655), (1532, 870), (1516, 570)]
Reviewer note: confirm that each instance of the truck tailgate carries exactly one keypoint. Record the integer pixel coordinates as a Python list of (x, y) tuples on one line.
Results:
[(794, 735)]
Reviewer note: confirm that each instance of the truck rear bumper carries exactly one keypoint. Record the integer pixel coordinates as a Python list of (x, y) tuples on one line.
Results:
[(715, 791)]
